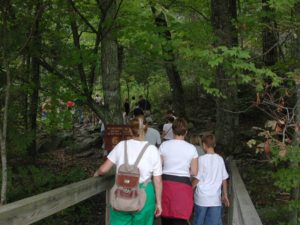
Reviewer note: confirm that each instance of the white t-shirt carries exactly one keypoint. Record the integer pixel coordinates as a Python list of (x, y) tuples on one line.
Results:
[(150, 164), (211, 173), (152, 136), (177, 157), (167, 129)]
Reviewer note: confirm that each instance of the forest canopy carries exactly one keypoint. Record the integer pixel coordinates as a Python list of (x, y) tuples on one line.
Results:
[(217, 63)]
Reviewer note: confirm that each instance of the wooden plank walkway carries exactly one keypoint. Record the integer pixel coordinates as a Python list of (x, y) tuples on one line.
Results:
[(157, 222)]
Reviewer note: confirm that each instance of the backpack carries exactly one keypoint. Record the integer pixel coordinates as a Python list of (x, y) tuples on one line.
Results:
[(126, 195)]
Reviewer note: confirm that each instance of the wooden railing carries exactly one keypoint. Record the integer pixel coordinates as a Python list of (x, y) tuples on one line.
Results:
[(38, 207), (33, 209), (242, 210)]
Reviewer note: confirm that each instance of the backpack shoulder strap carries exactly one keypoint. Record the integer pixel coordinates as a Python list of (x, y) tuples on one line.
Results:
[(125, 154), (141, 154)]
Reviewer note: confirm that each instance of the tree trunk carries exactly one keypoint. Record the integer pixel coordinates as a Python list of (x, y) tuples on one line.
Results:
[(26, 94), (296, 55), (35, 79), (110, 66), (227, 122), (3, 130), (169, 63), (3, 135), (269, 39), (296, 192)]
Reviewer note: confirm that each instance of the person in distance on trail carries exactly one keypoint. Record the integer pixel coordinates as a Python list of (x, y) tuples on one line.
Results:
[(149, 166), (180, 162), (152, 135), (126, 111), (195, 139), (167, 133), (212, 175)]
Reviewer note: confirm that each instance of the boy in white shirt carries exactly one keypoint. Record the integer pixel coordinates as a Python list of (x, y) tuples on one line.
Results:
[(212, 175)]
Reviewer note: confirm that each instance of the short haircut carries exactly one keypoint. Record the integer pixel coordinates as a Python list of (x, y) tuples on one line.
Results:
[(195, 139), (209, 140), (179, 127), (170, 119)]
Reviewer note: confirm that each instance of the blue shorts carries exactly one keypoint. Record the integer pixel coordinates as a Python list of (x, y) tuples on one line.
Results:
[(207, 215)]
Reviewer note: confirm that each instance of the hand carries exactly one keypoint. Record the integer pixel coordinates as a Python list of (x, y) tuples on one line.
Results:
[(225, 200), (158, 210), (96, 174)]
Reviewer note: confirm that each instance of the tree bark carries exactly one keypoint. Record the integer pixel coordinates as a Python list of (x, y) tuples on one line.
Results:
[(269, 38), (3, 135), (169, 63), (227, 122), (35, 78), (110, 66), (296, 55), (3, 130)]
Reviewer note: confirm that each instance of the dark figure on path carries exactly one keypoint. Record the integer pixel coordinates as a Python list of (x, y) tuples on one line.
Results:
[(126, 111), (144, 104), (138, 111), (126, 106), (132, 103)]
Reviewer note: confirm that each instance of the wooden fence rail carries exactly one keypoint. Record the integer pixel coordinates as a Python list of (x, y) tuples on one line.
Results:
[(242, 210), (33, 209), (38, 207)]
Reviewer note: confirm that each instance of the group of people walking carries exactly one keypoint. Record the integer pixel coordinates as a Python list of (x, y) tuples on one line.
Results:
[(177, 182)]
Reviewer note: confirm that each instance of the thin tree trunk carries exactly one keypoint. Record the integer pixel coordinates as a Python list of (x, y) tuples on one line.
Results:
[(76, 40), (169, 63), (269, 39), (35, 79), (3, 130), (3, 135), (25, 95), (296, 55), (295, 192), (227, 122)]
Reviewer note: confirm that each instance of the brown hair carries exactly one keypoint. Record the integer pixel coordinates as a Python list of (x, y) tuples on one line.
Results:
[(137, 126), (195, 139), (179, 127), (209, 140)]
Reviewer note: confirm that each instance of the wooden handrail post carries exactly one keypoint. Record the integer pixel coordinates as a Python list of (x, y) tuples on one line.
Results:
[(107, 207), (243, 211)]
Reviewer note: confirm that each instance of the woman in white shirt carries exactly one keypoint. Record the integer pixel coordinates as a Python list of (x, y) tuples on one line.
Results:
[(180, 162), (149, 166)]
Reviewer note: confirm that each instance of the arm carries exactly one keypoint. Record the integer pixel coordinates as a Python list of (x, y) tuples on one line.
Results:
[(195, 181), (158, 189), (104, 168), (194, 167), (225, 195)]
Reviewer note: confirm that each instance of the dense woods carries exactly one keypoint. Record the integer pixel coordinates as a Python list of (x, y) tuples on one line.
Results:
[(225, 65)]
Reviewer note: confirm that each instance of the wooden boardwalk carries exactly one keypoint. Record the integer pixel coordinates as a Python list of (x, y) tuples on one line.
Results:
[(35, 208), (157, 222)]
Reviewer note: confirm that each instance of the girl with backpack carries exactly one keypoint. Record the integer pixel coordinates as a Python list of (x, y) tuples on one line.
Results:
[(150, 171)]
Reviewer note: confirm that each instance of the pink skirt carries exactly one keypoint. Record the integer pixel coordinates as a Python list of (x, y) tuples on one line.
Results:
[(177, 197)]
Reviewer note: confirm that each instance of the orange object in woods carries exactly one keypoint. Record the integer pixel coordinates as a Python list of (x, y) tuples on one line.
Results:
[(267, 147)]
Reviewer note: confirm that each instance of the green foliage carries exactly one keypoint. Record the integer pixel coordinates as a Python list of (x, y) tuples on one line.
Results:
[(287, 179), (32, 180)]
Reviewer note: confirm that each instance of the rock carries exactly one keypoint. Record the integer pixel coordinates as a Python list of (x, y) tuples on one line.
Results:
[(86, 143), (85, 154)]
